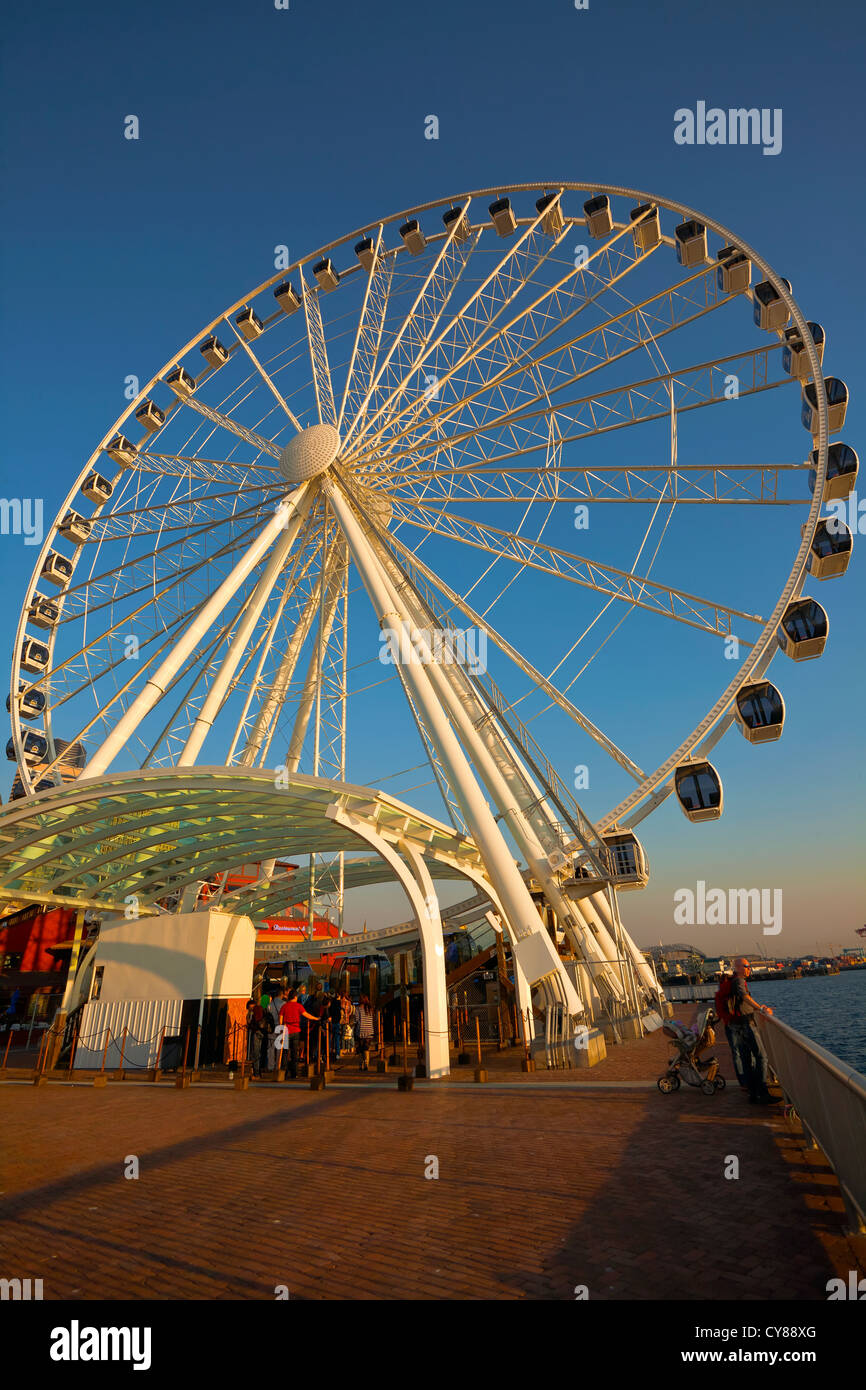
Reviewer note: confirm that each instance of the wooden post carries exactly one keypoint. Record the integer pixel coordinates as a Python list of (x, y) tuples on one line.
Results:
[(182, 1081), (8, 1045), (122, 1050)]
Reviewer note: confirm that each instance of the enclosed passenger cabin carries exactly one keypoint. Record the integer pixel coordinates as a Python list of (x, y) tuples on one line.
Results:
[(213, 351), (795, 359), (96, 488), (75, 528), (803, 630), (550, 206), (56, 569), (691, 243), (34, 656), (628, 860), (455, 219), (287, 297), (366, 252), (249, 324), (735, 270), (627, 864), (181, 383), (599, 221), (35, 747), (699, 790), (502, 217), (837, 405), (43, 612), (327, 278), (770, 310), (646, 232), (150, 416), (121, 451), (362, 975), (413, 238), (842, 467), (760, 712), (830, 551), (31, 703)]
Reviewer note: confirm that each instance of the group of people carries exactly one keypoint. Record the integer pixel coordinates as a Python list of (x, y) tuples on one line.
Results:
[(281, 1022)]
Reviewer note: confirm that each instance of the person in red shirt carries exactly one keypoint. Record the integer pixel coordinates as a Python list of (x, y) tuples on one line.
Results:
[(290, 1025)]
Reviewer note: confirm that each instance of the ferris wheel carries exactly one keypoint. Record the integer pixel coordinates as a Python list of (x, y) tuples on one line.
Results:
[(531, 425)]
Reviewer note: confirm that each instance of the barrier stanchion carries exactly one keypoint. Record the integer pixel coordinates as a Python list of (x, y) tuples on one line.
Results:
[(182, 1082), (122, 1050), (157, 1070), (8, 1045), (463, 1058), (480, 1073), (527, 1064), (102, 1079), (74, 1048), (406, 1081)]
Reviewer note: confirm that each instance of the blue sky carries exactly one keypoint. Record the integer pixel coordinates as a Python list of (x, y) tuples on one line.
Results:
[(261, 127)]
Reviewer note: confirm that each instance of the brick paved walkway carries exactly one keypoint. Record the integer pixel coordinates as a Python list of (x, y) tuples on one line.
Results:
[(620, 1190)]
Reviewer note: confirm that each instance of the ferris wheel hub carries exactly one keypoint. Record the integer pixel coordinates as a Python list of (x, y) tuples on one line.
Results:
[(309, 453)]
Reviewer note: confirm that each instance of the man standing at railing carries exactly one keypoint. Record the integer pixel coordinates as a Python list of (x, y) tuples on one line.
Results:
[(736, 1008)]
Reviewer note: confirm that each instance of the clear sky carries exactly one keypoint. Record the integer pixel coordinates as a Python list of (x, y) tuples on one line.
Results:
[(261, 127)]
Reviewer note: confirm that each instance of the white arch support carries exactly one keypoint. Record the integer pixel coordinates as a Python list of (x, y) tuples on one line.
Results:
[(424, 903)]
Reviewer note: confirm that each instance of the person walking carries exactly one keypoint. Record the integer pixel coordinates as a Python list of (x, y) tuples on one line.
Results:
[(749, 1060), (291, 1014), (364, 1028)]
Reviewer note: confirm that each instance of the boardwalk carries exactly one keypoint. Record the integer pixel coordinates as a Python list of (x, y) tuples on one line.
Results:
[(540, 1191)]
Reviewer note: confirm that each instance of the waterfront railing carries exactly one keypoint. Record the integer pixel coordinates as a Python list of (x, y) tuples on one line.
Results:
[(830, 1100)]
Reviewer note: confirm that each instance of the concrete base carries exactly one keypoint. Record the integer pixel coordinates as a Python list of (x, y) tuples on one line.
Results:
[(40, 1080), (405, 1082), (183, 1082), (528, 1064), (318, 1083), (242, 1083), (480, 1074), (101, 1080), (594, 1052), (421, 1069)]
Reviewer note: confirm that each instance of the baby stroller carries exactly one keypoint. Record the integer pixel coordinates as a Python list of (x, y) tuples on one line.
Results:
[(686, 1062)]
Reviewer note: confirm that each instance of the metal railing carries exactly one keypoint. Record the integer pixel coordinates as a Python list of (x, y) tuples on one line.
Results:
[(830, 1099)]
